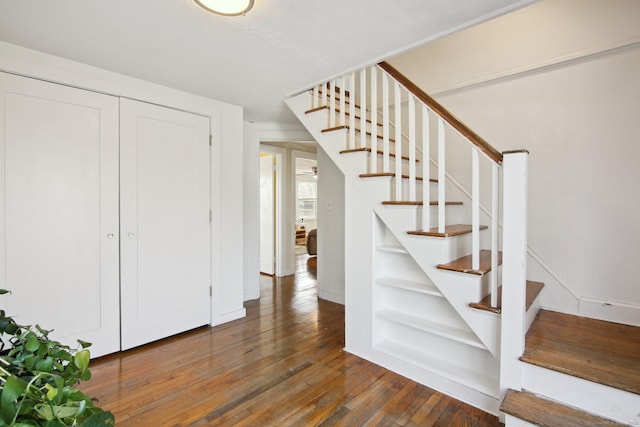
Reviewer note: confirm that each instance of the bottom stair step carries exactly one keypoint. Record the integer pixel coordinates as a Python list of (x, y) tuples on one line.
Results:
[(533, 289), (594, 350), (548, 413)]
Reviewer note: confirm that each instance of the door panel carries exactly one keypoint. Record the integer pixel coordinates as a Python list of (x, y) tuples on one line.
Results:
[(165, 248), (267, 214), (60, 210)]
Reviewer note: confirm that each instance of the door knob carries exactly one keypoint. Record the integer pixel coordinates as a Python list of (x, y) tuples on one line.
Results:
[(131, 235)]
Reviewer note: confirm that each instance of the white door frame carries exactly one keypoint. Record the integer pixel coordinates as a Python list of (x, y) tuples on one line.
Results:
[(280, 156)]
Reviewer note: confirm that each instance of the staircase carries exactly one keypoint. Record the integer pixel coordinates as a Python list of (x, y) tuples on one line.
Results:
[(425, 257)]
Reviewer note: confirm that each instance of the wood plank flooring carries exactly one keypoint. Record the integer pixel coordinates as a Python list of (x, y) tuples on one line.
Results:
[(282, 365), (603, 352)]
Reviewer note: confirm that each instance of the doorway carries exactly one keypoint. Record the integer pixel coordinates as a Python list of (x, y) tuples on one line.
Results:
[(306, 203), (271, 160)]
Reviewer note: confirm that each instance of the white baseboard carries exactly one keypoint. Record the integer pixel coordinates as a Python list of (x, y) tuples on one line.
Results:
[(331, 296), (611, 311), (228, 317)]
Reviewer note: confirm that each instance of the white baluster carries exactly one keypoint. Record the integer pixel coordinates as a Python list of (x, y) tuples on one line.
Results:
[(441, 176), (332, 103), (412, 148), (343, 101), (373, 167), (398, 144), (426, 173), (363, 108), (315, 97), (495, 215), (352, 112), (385, 122), (475, 209)]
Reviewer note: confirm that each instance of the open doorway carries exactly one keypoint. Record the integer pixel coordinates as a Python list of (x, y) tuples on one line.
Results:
[(279, 221), (306, 203), (271, 160)]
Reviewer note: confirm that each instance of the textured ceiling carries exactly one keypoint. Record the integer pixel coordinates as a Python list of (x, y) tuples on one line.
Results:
[(255, 60)]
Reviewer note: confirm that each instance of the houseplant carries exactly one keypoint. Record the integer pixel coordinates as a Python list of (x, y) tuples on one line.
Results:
[(38, 379)]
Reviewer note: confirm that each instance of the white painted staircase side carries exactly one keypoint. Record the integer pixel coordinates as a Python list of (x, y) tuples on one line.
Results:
[(422, 327)]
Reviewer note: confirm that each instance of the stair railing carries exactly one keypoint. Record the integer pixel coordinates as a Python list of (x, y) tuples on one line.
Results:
[(395, 130), (370, 101)]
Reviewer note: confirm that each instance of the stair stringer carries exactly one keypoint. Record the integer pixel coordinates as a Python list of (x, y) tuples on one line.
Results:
[(459, 289)]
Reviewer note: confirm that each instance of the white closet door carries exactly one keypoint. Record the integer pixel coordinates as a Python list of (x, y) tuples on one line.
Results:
[(59, 210), (165, 228)]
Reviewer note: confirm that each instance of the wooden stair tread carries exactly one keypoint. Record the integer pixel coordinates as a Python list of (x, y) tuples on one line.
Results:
[(463, 265), (416, 203), (533, 289), (368, 133), (368, 149), (595, 350), (392, 175), (347, 113), (449, 231), (548, 413)]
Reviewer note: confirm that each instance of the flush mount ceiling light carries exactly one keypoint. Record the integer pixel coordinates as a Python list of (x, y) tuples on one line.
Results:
[(227, 7)]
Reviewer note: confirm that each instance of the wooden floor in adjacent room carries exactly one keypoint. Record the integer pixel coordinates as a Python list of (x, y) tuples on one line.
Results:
[(282, 365)]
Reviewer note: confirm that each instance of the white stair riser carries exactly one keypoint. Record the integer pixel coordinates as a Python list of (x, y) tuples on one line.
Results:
[(511, 421), (595, 398), (452, 351), (425, 306)]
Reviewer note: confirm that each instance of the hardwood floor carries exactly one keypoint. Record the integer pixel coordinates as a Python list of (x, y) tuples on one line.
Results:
[(282, 365)]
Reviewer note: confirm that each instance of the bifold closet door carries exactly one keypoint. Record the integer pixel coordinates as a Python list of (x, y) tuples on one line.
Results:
[(59, 253), (164, 219)]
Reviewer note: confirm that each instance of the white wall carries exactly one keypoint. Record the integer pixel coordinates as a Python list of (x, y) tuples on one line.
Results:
[(560, 78), (226, 156), (331, 230)]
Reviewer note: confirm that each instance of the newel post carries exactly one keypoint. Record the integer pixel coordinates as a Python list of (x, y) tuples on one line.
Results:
[(514, 267)]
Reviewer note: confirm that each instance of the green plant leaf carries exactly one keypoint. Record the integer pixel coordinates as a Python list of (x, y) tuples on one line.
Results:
[(32, 342), (84, 344), (52, 392), (81, 360), (55, 423), (51, 412), (12, 390), (4, 291), (100, 419), (45, 365)]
